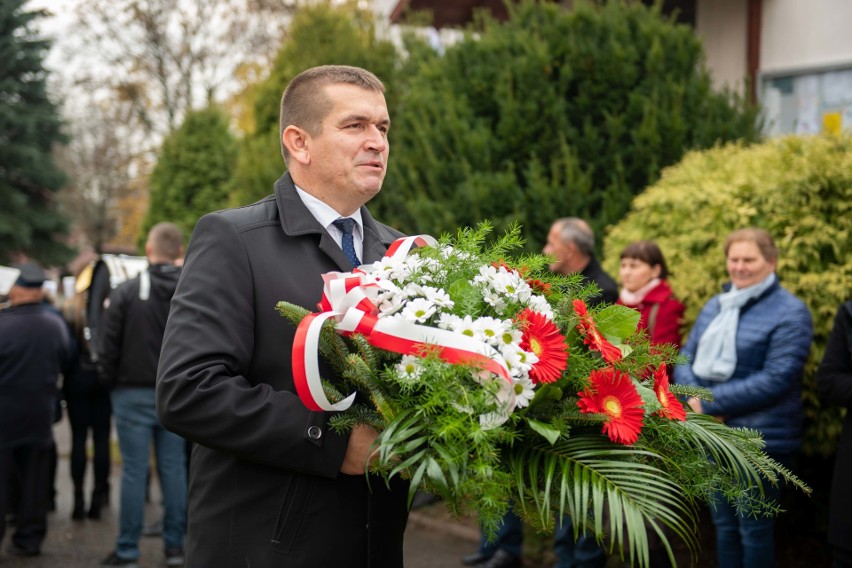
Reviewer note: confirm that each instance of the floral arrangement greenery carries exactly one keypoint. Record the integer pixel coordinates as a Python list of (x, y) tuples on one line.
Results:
[(520, 392)]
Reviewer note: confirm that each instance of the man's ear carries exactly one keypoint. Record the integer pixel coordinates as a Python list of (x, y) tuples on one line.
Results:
[(295, 140)]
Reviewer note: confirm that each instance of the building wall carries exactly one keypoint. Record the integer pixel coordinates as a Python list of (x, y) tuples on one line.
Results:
[(799, 35), (722, 27)]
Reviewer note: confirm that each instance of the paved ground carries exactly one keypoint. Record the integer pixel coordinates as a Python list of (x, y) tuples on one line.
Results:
[(432, 539), (430, 542)]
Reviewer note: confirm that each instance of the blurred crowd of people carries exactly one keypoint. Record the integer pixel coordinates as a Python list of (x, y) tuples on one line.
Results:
[(106, 379)]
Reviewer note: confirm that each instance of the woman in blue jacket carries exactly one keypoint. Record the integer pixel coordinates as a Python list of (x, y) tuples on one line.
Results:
[(749, 347)]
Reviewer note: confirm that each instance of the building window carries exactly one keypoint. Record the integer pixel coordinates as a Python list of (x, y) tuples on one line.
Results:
[(808, 102)]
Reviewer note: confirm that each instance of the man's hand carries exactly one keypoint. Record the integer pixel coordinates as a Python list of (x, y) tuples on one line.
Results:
[(358, 452), (695, 404)]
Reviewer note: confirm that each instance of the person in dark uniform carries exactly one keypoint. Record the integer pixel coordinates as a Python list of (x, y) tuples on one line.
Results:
[(34, 352)]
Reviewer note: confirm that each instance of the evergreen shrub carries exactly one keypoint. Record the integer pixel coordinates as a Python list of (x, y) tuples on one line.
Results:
[(555, 112), (797, 188), (191, 176)]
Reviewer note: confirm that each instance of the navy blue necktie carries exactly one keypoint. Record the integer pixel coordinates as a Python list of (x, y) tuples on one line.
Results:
[(346, 224)]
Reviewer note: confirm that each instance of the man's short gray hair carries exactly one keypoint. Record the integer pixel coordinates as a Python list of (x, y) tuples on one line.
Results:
[(577, 231)]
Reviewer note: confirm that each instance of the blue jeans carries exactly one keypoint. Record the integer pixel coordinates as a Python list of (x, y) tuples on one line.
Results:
[(746, 541), (135, 416), (510, 537), (584, 553)]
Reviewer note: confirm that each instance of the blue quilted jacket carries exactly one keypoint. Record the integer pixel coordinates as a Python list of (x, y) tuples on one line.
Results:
[(773, 340)]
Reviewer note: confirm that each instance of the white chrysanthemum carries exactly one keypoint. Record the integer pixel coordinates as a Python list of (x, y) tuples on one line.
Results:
[(390, 268), (464, 325), (418, 310), (409, 369), (492, 329), (438, 296), (518, 361), (511, 336), (539, 304), (524, 391), (492, 420), (494, 299), (389, 303), (435, 295), (504, 403)]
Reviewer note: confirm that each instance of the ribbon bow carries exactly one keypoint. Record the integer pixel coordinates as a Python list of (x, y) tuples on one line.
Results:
[(349, 298)]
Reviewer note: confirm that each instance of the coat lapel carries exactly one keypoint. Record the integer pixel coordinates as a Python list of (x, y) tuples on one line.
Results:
[(297, 220)]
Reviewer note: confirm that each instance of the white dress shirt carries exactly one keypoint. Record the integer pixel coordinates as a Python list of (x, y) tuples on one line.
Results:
[(326, 215)]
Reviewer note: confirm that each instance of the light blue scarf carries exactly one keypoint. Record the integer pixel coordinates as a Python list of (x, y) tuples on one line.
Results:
[(716, 356)]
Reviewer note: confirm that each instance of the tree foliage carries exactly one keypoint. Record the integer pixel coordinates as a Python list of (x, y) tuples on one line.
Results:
[(101, 190), (320, 33), (552, 113), (191, 176), (797, 188), (163, 58), (30, 126)]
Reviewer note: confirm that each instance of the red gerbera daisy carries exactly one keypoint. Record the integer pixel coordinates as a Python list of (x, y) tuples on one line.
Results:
[(539, 286), (671, 406), (592, 337), (612, 393), (542, 337)]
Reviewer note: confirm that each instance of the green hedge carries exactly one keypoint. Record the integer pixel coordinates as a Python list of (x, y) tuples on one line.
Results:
[(555, 112), (797, 188)]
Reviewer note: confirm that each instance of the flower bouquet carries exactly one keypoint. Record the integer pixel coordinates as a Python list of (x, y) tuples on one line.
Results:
[(493, 382)]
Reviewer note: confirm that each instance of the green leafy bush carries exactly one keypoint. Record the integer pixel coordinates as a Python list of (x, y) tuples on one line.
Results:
[(555, 112), (797, 188)]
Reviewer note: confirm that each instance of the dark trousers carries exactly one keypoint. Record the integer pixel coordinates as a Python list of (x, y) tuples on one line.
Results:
[(90, 412), (31, 464)]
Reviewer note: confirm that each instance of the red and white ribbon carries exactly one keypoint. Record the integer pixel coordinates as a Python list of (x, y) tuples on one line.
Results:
[(349, 298)]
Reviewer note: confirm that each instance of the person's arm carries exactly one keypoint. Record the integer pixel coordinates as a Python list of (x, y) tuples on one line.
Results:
[(668, 321), (834, 376), (789, 343), (110, 338), (683, 374), (205, 391)]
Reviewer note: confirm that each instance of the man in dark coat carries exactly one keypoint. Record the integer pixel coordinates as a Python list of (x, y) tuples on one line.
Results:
[(128, 347), (270, 483), (572, 244), (34, 351), (834, 382)]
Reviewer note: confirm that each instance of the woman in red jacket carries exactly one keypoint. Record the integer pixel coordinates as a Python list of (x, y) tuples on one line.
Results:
[(643, 276)]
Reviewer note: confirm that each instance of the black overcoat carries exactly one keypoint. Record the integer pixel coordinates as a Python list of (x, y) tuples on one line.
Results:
[(265, 488), (834, 381)]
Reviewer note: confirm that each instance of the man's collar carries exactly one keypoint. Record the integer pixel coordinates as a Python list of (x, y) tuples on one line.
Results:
[(323, 212)]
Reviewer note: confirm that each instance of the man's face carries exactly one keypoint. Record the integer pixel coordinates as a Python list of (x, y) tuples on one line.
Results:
[(348, 159), (746, 265), (560, 251)]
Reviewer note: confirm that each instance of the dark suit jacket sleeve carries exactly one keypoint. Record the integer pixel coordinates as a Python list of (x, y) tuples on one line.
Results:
[(209, 387), (834, 377)]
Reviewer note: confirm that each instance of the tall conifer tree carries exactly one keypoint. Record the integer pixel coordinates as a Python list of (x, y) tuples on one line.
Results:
[(192, 174), (29, 127)]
